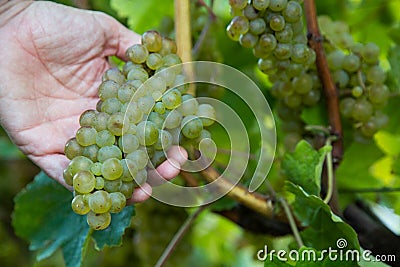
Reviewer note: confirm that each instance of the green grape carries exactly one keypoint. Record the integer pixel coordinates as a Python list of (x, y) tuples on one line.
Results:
[(98, 105), (172, 99), (260, 4), (191, 126), (152, 40), (285, 35), (67, 177), (139, 158), (257, 26), (84, 182), (267, 66), (128, 66), (248, 40), (167, 74), (204, 134), (147, 133), (105, 138), (111, 106), (98, 221), (118, 202), (100, 121), (277, 23), (189, 105), (73, 149), (131, 129), (86, 136), (111, 169), (159, 107), (302, 84), (351, 63), (168, 46), (154, 61), (370, 53), (90, 152), (99, 183), (346, 106), (148, 149), (87, 118), (79, 206), (369, 128), (239, 25), (108, 152), (311, 98), (157, 83), (79, 163), (172, 60), (108, 89), (357, 91), (95, 168), (300, 53), (380, 119), (341, 78), (141, 177), (362, 110), (126, 189), (138, 74), (286, 113), (133, 112), (378, 94), (293, 100), (267, 43), (129, 170), (376, 74), (137, 53), (293, 12), (125, 92), (99, 202), (277, 5), (164, 140), (335, 59), (112, 186), (206, 112), (158, 158), (146, 104), (113, 74), (128, 143), (283, 51), (250, 13), (238, 4), (157, 119), (115, 124), (294, 70)]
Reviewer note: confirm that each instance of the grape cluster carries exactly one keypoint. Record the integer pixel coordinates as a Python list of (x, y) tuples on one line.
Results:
[(143, 110), (274, 30), (358, 76)]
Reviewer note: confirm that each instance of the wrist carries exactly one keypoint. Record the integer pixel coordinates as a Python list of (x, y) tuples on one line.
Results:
[(10, 8)]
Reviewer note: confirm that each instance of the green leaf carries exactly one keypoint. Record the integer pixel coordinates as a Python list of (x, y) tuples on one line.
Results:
[(143, 15), (324, 228), (304, 166), (43, 216), (388, 143), (394, 60), (315, 115)]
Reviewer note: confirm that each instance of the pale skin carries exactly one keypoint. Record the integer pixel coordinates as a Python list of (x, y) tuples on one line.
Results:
[(52, 60)]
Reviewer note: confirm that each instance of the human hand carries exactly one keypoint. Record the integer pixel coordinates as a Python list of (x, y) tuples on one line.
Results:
[(52, 59)]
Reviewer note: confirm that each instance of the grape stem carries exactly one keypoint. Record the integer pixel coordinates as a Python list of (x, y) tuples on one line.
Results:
[(183, 37), (292, 222), (329, 167), (331, 94)]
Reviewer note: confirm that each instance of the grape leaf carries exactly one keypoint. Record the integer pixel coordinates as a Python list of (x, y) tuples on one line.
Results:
[(143, 15), (388, 143), (315, 115), (324, 228), (394, 60), (304, 166), (43, 216)]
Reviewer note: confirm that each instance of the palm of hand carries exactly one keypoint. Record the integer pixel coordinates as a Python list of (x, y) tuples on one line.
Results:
[(64, 52)]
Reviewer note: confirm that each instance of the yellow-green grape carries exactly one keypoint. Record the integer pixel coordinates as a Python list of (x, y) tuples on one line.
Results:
[(302, 84), (84, 182), (157, 158), (152, 40), (67, 177), (112, 186), (90, 152), (146, 104), (115, 124), (206, 112), (168, 46), (137, 53), (113, 74), (370, 53), (73, 149), (126, 189), (189, 105), (99, 183), (141, 177), (346, 106), (108, 89), (87, 117), (173, 119), (129, 170), (108, 152), (260, 4), (98, 221), (362, 110), (248, 40), (239, 25), (79, 206), (138, 74), (277, 23), (99, 202), (86, 136), (128, 143), (126, 92), (238, 4), (378, 94), (157, 119), (351, 63), (111, 169), (118, 202), (376, 74), (154, 61), (79, 163), (105, 138), (191, 126), (100, 122), (357, 91), (293, 12), (277, 5), (147, 133), (111, 106), (257, 26), (285, 35), (139, 158), (172, 99), (164, 140), (133, 112)]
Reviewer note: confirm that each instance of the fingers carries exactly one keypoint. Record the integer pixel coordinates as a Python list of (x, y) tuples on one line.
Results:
[(140, 194), (118, 37)]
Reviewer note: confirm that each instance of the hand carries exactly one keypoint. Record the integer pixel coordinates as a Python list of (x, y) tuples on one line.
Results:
[(52, 59)]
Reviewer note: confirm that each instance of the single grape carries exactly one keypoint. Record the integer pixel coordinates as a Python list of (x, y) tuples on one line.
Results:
[(267, 43), (146, 104), (86, 136), (302, 84), (257, 26), (139, 158), (141, 177), (173, 119), (346, 106), (207, 114), (126, 189), (335, 59), (378, 94), (138, 74), (90, 152), (369, 128), (68, 177), (105, 138), (285, 35), (108, 89), (357, 91), (293, 100), (267, 66), (113, 74), (376, 74), (99, 183), (362, 110), (311, 98), (154, 61), (112, 186), (118, 202), (125, 92), (292, 12), (164, 140), (189, 105), (277, 23), (115, 124), (137, 53), (147, 133), (300, 53), (108, 152), (129, 170), (159, 107), (111, 169), (238, 4), (79, 163), (172, 60), (87, 118), (99, 202), (73, 149), (98, 221), (152, 40), (79, 206), (277, 5), (260, 4), (168, 46), (157, 119), (111, 106), (250, 12), (84, 182), (351, 63), (191, 126), (370, 53), (133, 112), (100, 121), (128, 143), (95, 168), (341, 78), (248, 40), (158, 158), (283, 51), (238, 25)]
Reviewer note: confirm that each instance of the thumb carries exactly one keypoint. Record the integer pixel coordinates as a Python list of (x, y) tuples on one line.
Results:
[(117, 37)]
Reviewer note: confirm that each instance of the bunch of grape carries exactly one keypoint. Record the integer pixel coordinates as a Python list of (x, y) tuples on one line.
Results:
[(142, 111), (275, 32), (358, 76)]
